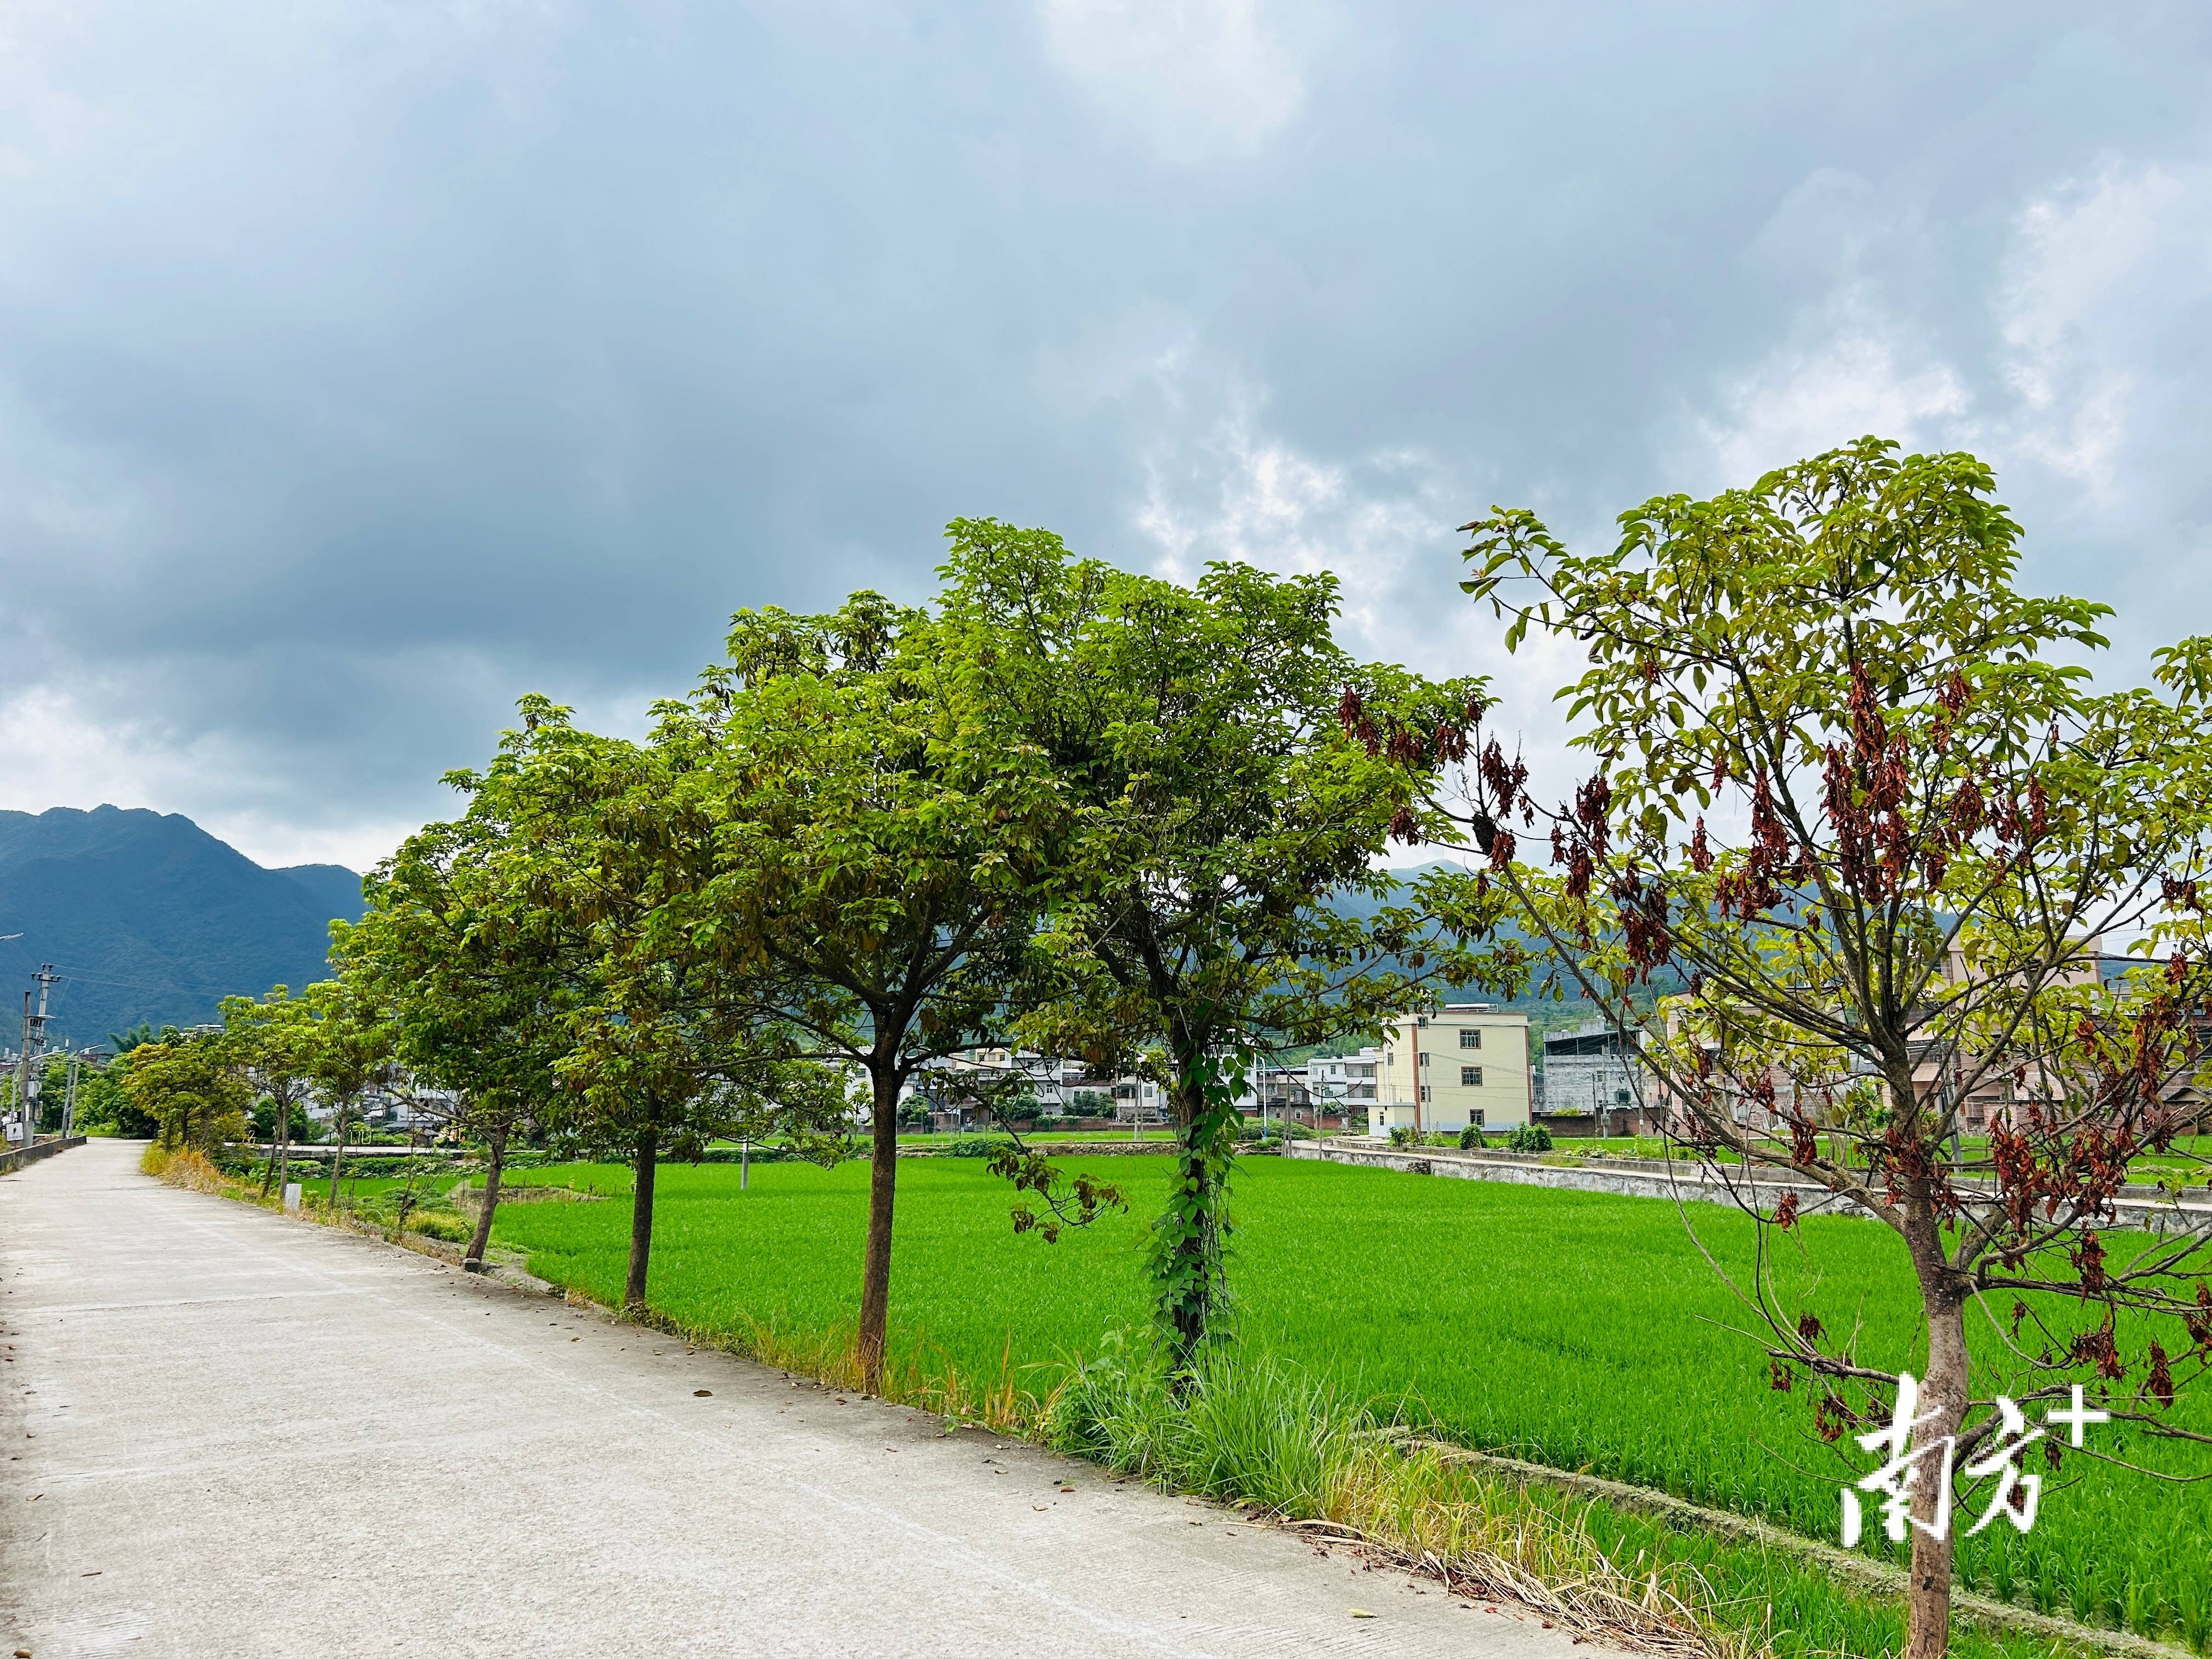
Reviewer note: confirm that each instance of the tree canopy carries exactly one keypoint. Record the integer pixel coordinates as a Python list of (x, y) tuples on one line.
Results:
[(1861, 792)]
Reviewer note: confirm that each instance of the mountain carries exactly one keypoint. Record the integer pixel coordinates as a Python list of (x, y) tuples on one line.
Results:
[(146, 916), (335, 889), (1664, 981)]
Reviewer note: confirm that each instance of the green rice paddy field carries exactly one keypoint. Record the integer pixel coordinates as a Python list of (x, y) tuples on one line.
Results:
[(1578, 1330)]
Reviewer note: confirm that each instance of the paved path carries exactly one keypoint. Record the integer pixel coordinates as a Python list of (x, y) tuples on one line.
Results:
[(230, 1434)]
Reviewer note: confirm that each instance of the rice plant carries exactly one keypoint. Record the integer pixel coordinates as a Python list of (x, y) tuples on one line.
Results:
[(1578, 1330)]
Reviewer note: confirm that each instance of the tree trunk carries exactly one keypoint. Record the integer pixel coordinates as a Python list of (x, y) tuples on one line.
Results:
[(1943, 1395), (882, 1189), (641, 1218), (276, 1146), (338, 1157), (473, 1261)]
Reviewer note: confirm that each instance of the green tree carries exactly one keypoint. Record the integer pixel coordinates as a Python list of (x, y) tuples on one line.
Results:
[(273, 1041), (350, 1056), (880, 867), (475, 985), (1228, 775), (1853, 788), (189, 1091), (122, 1043), (103, 1107), (263, 1124), (605, 856)]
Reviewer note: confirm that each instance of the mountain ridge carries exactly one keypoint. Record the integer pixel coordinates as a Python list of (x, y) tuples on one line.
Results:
[(148, 917)]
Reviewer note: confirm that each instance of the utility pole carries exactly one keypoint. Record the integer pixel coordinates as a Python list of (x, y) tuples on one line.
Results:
[(5, 939), (69, 1096), (23, 1079), (34, 1050)]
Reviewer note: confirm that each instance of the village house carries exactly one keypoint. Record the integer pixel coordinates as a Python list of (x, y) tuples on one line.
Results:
[(1465, 1064), (1593, 1085)]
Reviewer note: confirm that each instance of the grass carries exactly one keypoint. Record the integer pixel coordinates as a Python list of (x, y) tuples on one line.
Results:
[(1578, 1330), (1260, 1432), (1154, 1133)]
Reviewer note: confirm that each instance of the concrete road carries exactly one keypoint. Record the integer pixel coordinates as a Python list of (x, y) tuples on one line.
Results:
[(230, 1434)]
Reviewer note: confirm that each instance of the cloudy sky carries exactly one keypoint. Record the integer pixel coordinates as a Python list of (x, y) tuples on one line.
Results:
[(363, 366)]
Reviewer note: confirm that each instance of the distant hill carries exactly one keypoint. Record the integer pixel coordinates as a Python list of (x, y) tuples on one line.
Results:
[(146, 916), (332, 887)]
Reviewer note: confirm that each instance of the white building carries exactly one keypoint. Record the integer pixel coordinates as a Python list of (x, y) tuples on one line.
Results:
[(1139, 1100), (1465, 1064), (1344, 1083), (1589, 1069)]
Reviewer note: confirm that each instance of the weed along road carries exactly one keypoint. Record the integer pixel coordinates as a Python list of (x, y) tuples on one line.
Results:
[(232, 1434)]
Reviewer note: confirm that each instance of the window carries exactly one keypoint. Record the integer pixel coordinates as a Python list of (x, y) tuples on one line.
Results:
[(1470, 1077), (1424, 1061), (1425, 1094), (1478, 1119), (1469, 1038)]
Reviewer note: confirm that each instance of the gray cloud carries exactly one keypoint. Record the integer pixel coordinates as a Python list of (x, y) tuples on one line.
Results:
[(362, 367)]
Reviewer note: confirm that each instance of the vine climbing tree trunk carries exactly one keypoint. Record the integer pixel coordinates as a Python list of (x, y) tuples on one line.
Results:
[(1187, 1249)]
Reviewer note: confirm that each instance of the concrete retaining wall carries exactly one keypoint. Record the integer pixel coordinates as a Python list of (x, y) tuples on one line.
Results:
[(1157, 1146), (37, 1150), (2152, 1211)]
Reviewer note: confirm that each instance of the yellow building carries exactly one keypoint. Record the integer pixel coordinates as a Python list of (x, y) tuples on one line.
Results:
[(1471, 1061)]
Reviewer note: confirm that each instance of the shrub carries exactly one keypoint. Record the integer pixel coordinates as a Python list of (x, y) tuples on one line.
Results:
[(975, 1146), (1470, 1138), (1530, 1138), (261, 1122), (448, 1226)]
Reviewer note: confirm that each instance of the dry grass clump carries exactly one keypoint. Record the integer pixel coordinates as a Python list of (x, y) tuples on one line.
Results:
[(1484, 1537), (187, 1167)]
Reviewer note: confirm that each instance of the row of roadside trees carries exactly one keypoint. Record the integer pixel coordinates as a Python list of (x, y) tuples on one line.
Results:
[(1063, 808), (1856, 814)]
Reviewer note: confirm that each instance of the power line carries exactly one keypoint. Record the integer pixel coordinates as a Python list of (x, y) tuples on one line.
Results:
[(141, 985)]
